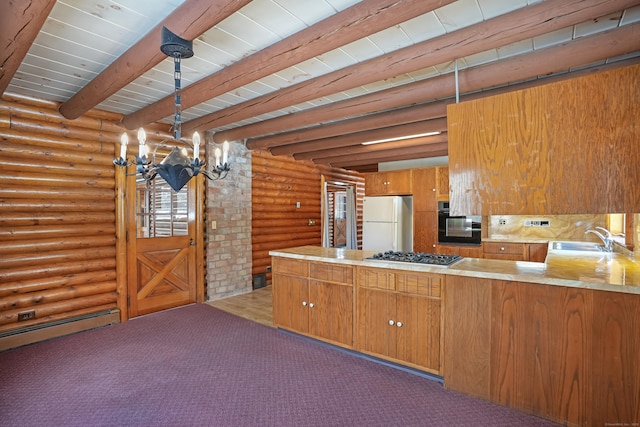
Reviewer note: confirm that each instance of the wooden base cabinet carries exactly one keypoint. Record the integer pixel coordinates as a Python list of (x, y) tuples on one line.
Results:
[(398, 317), (562, 353), (536, 252), (314, 299)]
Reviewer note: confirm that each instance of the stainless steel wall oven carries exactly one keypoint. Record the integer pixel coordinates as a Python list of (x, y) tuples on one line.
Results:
[(458, 229)]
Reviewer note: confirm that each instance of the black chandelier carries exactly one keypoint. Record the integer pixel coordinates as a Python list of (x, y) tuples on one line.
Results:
[(177, 168)]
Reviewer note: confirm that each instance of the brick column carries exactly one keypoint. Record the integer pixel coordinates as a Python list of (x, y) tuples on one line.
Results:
[(228, 242)]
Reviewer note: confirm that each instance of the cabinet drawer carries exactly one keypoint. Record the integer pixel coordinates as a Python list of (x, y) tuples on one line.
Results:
[(331, 273), (376, 278), (419, 284), (503, 248), (537, 252), (471, 251), (290, 267)]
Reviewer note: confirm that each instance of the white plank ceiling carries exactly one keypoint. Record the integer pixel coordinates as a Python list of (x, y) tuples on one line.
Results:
[(80, 38)]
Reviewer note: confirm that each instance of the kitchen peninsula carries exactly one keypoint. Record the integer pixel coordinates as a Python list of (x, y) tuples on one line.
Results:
[(558, 339)]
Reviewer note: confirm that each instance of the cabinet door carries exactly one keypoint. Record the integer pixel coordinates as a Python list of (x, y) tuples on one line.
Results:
[(424, 190), (418, 330), (290, 302), (425, 231), (442, 181), (373, 184), (331, 312), (375, 310)]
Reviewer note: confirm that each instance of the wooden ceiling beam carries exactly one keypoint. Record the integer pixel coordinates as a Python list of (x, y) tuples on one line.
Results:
[(188, 21), (366, 168), (521, 24), (550, 60), (359, 124), (356, 164), (346, 26), (371, 150), (436, 125), (431, 150), (20, 23)]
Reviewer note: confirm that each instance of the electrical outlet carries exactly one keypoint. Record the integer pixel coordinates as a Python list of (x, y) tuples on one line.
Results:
[(502, 221), (268, 269), (26, 315)]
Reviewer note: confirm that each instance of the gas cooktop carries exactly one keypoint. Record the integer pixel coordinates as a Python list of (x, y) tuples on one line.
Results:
[(416, 257)]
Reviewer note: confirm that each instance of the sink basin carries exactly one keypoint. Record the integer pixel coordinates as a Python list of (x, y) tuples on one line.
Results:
[(577, 247)]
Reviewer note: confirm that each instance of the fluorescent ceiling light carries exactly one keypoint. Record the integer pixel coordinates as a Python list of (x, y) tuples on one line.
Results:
[(399, 138)]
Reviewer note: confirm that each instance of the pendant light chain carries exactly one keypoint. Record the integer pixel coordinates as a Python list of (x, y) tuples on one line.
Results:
[(177, 126), (177, 168)]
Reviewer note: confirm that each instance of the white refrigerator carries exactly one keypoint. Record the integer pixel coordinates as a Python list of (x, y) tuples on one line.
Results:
[(387, 223)]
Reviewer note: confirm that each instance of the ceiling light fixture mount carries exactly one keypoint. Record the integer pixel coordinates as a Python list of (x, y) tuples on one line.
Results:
[(177, 168)]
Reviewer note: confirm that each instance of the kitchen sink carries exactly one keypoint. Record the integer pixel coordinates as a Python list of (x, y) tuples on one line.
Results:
[(577, 247)]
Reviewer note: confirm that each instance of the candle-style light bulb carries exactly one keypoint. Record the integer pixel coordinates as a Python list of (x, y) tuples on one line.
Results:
[(142, 146), (217, 153), (196, 145), (225, 152), (124, 140)]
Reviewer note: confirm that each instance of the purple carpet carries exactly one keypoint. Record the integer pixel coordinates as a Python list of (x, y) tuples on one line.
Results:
[(197, 365)]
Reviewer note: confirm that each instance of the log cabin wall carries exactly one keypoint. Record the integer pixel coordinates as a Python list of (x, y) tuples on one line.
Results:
[(57, 214), (278, 183)]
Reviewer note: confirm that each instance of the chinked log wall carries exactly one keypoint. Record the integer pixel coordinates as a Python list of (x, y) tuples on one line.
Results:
[(277, 183), (57, 213)]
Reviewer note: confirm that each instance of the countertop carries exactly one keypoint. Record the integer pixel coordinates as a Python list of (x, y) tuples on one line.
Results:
[(608, 272)]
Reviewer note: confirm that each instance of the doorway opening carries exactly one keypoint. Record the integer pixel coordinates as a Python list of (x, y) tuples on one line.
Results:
[(338, 207)]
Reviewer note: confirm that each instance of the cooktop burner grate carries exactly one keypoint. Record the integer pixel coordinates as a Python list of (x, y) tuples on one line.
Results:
[(416, 257)]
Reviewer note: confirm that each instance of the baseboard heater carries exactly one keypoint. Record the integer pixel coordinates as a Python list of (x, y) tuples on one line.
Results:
[(35, 333)]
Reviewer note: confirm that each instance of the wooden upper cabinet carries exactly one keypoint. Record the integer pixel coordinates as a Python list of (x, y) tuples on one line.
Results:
[(563, 148), (425, 189), (429, 186), (390, 183), (442, 183)]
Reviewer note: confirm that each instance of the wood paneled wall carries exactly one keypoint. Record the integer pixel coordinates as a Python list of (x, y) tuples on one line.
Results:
[(57, 213), (277, 184)]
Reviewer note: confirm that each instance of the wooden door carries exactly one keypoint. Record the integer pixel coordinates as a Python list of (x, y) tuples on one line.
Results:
[(161, 245), (165, 275), (339, 232), (331, 316)]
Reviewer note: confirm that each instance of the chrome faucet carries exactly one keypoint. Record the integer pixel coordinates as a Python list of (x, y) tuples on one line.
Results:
[(606, 238)]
